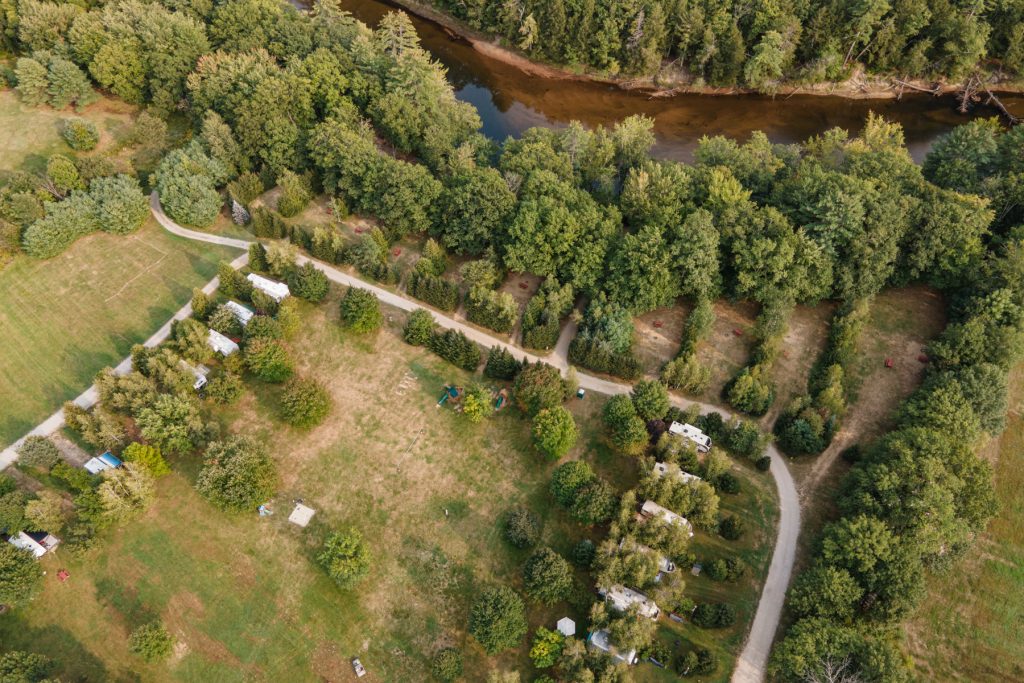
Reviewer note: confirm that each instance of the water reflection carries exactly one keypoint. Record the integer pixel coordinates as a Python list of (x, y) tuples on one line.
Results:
[(510, 101)]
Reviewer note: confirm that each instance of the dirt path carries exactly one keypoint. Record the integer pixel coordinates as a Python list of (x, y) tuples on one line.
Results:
[(750, 667)]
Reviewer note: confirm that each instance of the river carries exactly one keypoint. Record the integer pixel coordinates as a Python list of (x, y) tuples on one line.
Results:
[(510, 101)]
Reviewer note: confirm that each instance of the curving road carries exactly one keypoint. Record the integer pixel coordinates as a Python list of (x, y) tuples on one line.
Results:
[(751, 665)]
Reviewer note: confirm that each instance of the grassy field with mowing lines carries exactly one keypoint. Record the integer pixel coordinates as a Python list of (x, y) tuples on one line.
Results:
[(968, 628), (63, 319), (427, 489)]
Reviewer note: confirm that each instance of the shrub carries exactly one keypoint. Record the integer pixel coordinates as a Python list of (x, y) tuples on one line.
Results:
[(583, 553), (554, 432), (24, 667), (437, 291), (148, 457), (476, 403), (567, 480), (345, 558), (267, 223), (237, 475), (687, 374), (627, 430), (538, 386), (360, 311), (595, 502), (708, 615), (268, 360), (121, 207), (498, 619), (522, 528), (749, 393), (546, 648), (309, 282), (304, 402), (295, 193), (731, 528), (730, 569), (419, 328), (547, 576), (764, 463), (728, 483), (64, 222), (456, 348), (262, 327), (650, 399), (224, 388), (151, 641), (38, 452), (494, 310), (447, 665), (501, 364)]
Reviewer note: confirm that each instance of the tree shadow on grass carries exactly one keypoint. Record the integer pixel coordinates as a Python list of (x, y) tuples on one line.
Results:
[(72, 660)]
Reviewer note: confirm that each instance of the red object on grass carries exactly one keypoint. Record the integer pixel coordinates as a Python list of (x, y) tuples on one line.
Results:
[(922, 358), (359, 231), (63, 575), (397, 251), (738, 332), (657, 323), (888, 362), (523, 285)]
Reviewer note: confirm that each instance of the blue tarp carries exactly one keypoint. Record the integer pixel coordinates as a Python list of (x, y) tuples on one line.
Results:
[(110, 459)]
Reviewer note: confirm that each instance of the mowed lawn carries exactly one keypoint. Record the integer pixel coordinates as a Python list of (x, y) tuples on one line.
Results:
[(968, 628), (32, 134), (427, 489), (63, 319)]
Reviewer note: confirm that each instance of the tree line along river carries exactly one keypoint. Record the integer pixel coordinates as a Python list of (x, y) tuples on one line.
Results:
[(510, 101)]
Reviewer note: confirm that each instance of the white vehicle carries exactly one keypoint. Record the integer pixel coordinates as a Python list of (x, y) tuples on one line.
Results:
[(688, 431), (661, 469), (275, 290), (622, 598), (652, 510), (357, 666)]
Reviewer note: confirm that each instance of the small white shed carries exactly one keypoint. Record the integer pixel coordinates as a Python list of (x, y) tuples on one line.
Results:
[(567, 627)]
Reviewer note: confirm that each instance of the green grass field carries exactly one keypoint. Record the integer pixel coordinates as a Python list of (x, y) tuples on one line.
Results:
[(427, 489), (32, 134), (969, 626), (63, 319)]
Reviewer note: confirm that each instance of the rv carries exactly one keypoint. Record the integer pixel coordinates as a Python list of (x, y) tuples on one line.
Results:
[(688, 431), (622, 598), (652, 510), (661, 469)]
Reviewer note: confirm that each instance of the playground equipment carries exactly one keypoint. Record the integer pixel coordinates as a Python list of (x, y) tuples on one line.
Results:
[(450, 392)]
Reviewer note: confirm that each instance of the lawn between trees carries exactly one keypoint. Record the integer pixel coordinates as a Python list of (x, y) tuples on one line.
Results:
[(384, 463)]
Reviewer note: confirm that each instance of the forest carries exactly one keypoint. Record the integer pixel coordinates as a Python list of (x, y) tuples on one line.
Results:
[(319, 102), (759, 45)]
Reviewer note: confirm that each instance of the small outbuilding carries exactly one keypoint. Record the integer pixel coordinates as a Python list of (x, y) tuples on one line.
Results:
[(301, 515), (567, 627), (602, 640), (243, 314), (199, 372), (36, 542), (221, 344), (275, 290), (107, 461)]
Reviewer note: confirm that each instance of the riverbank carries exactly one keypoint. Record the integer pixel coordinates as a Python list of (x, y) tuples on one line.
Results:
[(859, 86)]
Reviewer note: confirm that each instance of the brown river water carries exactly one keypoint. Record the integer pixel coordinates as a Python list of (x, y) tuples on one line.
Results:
[(510, 101)]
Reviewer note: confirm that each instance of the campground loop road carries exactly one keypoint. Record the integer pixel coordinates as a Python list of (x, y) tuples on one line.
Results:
[(752, 662)]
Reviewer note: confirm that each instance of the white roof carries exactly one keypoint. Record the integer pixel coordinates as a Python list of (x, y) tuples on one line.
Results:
[(690, 432), (95, 466), (567, 627), (221, 344), (602, 640), (243, 314), (275, 290), (38, 545), (664, 564), (622, 598), (661, 469), (301, 514), (652, 509)]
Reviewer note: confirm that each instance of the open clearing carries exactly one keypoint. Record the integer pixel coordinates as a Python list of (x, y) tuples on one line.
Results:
[(968, 628), (31, 134), (64, 319), (427, 489)]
